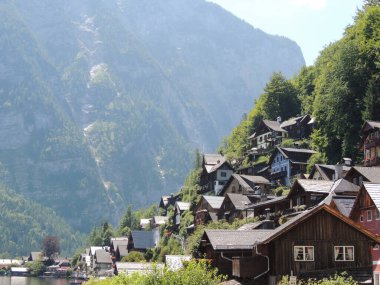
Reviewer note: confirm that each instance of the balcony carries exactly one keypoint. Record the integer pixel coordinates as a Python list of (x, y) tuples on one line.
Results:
[(278, 175)]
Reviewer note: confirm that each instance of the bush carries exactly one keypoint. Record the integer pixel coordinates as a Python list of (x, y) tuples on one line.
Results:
[(342, 279), (194, 273), (133, 256)]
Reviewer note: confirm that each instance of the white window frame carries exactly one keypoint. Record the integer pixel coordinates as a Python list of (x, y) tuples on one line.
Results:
[(369, 215), (376, 247), (361, 219), (296, 249), (344, 253), (377, 214)]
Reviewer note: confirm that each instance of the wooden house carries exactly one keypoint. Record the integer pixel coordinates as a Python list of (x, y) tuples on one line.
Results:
[(286, 163), (233, 207), (119, 247), (179, 208), (298, 128), (246, 185), (207, 209), (215, 173), (370, 145), (102, 262), (366, 211), (271, 205), (36, 255), (328, 172), (360, 174), (158, 221), (308, 192), (314, 244), (166, 202), (267, 135)]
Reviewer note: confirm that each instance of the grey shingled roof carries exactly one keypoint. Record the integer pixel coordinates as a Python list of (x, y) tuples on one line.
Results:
[(371, 173), (142, 239), (318, 186), (160, 220), (123, 250), (274, 125), (373, 190), (255, 179), (298, 150), (234, 239), (213, 159), (103, 256), (183, 206), (268, 202), (342, 185), (36, 255), (344, 204), (239, 201), (214, 201), (292, 121)]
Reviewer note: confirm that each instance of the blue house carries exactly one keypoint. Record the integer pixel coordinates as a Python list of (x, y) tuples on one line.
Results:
[(286, 163)]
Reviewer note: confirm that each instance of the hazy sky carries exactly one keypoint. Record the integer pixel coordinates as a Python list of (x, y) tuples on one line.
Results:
[(313, 24)]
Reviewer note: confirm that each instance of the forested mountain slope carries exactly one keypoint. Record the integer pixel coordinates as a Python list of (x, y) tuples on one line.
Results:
[(340, 91), (102, 102)]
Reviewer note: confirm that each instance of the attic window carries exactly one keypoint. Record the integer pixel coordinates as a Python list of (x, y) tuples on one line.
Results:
[(369, 215), (377, 215), (223, 174)]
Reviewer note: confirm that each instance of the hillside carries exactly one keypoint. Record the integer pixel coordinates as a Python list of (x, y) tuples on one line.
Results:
[(23, 226), (102, 104)]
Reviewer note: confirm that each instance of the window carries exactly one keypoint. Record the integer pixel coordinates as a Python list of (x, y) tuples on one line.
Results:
[(361, 218), (223, 174), (355, 181), (304, 253), (344, 253), (376, 247), (377, 214), (369, 215)]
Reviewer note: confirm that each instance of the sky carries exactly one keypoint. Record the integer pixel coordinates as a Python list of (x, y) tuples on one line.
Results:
[(313, 24)]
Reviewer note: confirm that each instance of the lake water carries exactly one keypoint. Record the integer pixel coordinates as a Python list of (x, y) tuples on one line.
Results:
[(14, 280)]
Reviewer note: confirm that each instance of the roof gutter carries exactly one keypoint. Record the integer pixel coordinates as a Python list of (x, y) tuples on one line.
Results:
[(268, 267), (226, 258)]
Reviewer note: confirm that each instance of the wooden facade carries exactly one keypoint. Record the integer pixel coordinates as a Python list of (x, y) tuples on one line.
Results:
[(370, 134), (334, 244)]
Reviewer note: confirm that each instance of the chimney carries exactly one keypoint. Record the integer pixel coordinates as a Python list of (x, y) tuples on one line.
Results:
[(347, 161), (279, 119), (338, 171)]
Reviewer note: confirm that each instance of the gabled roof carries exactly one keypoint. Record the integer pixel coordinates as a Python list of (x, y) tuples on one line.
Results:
[(142, 239), (213, 162), (342, 185), (123, 250), (214, 201), (93, 249), (372, 174), (322, 168), (103, 256), (234, 239), (119, 242), (274, 125), (344, 204), (182, 206), (315, 186), (239, 201), (160, 220), (254, 179), (370, 125), (293, 154), (36, 255), (245, 181), (286, 227), (268, 202), (293, 121)]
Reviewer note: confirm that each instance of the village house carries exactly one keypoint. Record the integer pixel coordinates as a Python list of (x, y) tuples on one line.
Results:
[(314, 244), (287, 163), (158, 221), (215, 173), (328, 172), (360, 174), (267, 135), (246, 185), (308, 193), (102, 262), (35, 256), (272, 205), (137, 267), (298, 128), (179, 208), (207, 209), (233, 207), (366, 211), (166, 202), (370, 134), (119, 248), (145, 223)]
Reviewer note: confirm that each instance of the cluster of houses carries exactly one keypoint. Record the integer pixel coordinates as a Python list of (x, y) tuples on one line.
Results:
[(327, 222)]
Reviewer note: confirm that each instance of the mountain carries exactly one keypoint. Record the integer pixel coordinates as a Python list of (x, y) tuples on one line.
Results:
[(24, 225), (103, 102)]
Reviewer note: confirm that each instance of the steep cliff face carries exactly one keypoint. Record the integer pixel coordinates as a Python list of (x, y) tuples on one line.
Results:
[(102, 103)]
